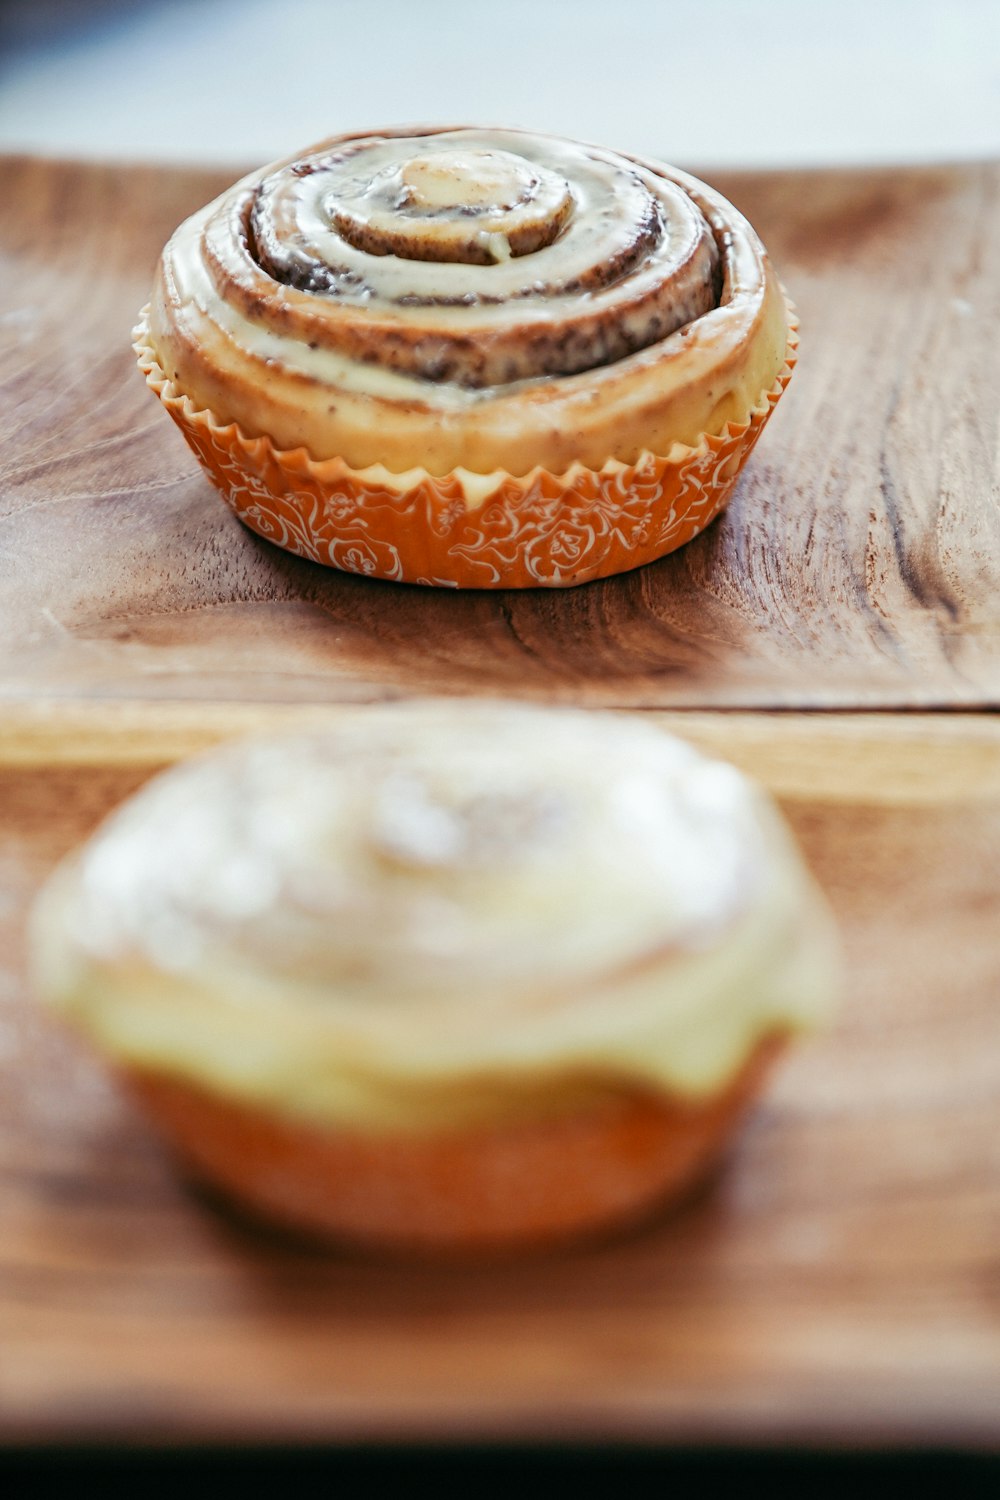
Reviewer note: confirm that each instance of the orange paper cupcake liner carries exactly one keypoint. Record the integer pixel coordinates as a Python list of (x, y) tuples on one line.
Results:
[(488, 1189), (539, 530)]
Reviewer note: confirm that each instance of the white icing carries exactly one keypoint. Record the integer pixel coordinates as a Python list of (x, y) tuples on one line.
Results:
[(436, 906), (543, 290)]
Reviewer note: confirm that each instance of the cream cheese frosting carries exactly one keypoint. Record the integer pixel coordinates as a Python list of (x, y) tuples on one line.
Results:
[(464, 298), (438, 914)]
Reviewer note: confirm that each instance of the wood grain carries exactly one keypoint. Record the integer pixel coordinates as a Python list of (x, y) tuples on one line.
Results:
[(839, 1282), (857, 567)]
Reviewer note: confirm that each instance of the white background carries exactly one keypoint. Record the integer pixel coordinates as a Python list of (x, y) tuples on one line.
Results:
[(704, 82)]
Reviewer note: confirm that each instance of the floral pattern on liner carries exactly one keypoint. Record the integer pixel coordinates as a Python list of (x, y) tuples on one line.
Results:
[(542, 530)]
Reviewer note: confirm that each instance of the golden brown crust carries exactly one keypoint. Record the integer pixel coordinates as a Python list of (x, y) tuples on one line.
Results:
[(507, 1187)]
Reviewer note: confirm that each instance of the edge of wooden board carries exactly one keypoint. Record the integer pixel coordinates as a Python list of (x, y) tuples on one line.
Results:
[(885, 758)]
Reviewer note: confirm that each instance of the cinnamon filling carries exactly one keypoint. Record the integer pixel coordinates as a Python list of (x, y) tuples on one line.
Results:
[(481, 259)]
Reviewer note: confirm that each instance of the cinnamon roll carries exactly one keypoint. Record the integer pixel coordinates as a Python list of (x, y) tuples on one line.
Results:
[(455, 975), (447, 342)]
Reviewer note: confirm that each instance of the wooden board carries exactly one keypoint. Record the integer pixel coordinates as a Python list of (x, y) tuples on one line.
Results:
[(837, 1282), (859, 564)]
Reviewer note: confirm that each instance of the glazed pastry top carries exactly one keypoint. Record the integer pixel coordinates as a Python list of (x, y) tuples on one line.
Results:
[(438, 913), (477, 299), (470, 267)]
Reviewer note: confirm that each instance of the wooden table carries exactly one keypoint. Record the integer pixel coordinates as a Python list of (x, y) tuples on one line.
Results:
[(840, 1281)]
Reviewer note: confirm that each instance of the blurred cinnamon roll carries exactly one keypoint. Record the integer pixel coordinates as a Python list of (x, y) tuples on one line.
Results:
[(447, 974)]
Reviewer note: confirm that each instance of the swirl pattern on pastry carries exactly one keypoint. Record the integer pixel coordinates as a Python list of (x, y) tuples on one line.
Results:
[(470, 298), (504, 271)]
